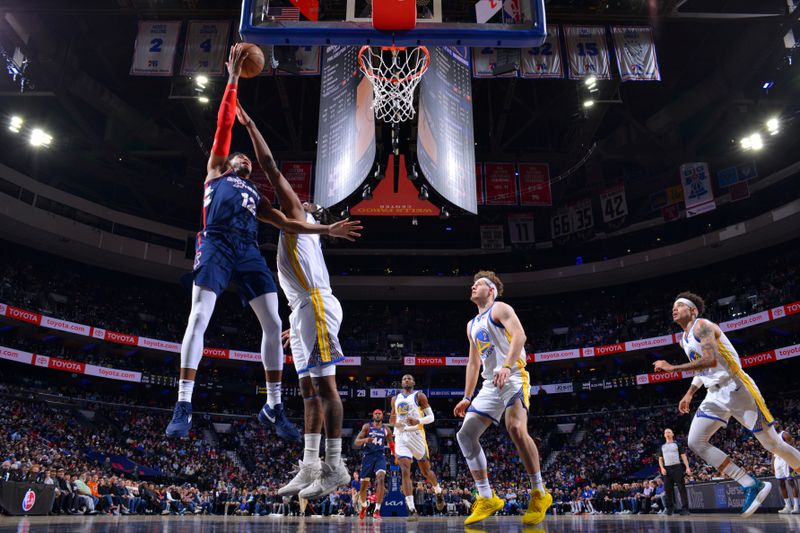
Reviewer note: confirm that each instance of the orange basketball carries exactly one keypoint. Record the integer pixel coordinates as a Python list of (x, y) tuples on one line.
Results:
[(253, 64)]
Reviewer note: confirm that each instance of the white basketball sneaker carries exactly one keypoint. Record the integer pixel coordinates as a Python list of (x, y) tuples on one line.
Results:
[(305, 475), (786, 509), (328, 481)]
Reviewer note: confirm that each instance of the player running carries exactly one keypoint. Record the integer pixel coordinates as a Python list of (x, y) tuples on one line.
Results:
[(372, 439), (731, 393)]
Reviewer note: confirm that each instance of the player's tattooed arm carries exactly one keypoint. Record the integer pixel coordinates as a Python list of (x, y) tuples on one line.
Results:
[(707, 333)]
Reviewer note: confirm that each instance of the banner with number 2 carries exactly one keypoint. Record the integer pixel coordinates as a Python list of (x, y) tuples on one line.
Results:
[(154, 51)]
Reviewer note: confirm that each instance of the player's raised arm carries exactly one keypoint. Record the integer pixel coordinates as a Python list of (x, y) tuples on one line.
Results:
[(471, 381), (226, 116), (290, 202), (343, 229)]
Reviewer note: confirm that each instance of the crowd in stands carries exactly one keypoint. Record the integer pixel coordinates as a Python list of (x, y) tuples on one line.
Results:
[(232, 465)]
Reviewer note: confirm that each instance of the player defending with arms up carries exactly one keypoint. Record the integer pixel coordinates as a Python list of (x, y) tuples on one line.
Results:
[(731, 393), (373, 439), (410, 414), (497, 340), (227, 250)]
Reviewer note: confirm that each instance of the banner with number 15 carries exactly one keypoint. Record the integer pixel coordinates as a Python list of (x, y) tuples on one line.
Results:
[(154, 51), (206, 47)]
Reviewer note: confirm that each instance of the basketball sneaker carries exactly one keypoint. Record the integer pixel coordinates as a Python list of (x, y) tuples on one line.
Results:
[(377, 515), (305, 474), (413, 515), (276, 417), (754, 496), (440, 501), (484, 508), (181, 421), (328, 480), (362, 514), (541, 500), (787, 509)]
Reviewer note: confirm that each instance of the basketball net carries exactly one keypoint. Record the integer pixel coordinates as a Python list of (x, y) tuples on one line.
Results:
[(394, 73)]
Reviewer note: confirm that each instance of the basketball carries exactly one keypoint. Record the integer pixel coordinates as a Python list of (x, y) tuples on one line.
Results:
[(253, 64)]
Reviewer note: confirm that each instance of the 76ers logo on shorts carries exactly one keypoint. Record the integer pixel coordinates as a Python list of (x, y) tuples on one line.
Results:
[(484, 343), (28, 501)]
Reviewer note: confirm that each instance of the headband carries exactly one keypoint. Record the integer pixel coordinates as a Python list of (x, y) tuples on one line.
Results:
[(686, 302), (491, 285)]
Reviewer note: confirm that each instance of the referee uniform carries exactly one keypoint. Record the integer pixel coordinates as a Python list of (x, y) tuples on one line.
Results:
[(671, 454)]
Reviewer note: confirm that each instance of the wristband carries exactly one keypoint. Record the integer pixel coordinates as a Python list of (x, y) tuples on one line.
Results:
[(506, 365), (468, 399)]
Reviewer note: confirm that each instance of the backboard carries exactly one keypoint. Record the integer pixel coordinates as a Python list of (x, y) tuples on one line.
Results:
[(494, 23)]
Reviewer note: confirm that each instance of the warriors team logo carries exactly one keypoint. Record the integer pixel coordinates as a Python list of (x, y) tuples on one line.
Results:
[(28, 501), (484, 343), (693, 356), (402, 408)]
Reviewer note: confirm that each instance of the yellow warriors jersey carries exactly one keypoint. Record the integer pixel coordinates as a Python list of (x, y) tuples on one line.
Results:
[(493, 343), (301, 265)]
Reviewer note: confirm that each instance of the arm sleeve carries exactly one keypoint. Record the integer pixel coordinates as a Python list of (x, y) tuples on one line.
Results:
[(225, 119), (428, 418)]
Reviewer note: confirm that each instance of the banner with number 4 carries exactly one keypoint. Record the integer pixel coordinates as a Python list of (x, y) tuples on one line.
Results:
[(206, 47)]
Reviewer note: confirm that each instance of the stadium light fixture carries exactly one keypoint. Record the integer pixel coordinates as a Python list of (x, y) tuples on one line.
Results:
[(444, 214), (40, 138), (203, 99), (591, 81), (423, 193), (752, 142), (15, 123), (366, 194), (201, 81), (588, 103), (773, 126)]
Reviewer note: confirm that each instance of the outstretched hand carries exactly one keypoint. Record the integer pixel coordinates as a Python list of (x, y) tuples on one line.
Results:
[(235, 60), (285, 337), (460, 410), (663, 366), (345, 229), (241, 115)]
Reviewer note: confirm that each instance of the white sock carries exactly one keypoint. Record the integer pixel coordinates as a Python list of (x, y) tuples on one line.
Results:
[(377, 507), (484, 489), (410, 503), (273, 394), (311, 449), (739, 475), (333, 452), (536, 481), (437, 489), (185, 390), (786, 502), (797, 502), (365, 504)]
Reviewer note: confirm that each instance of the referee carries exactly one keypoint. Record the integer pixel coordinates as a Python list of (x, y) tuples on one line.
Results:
[(669, 459)]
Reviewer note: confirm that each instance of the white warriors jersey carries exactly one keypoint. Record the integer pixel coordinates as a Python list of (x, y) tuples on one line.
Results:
[(301, 265), (727, 362), (405, 407), (493, 343)]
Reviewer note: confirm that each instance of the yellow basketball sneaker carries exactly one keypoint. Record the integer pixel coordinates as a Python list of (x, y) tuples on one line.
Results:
[(541, 500), (484, 508)]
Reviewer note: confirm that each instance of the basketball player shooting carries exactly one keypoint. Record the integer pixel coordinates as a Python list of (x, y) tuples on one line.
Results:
[(497, 341), (227, 250), (313, 333), (731, 393)]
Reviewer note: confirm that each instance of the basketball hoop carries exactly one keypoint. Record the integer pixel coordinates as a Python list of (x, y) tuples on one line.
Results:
[(395, 72)]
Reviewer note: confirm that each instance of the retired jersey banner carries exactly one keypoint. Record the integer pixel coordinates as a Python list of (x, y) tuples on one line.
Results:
[(501, 184), (588, 52), (534, 184), (484, 61), (636, 53), (613, 203), (479, 183), (298, 174), (697, 192), (206, 47), (544, 61), (154, 51)]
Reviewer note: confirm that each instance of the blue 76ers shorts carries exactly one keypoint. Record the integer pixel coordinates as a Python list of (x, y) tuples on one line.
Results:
[(371, 465), (221, 259)]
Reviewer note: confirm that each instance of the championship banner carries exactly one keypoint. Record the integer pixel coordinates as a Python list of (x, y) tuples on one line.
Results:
[(501, 184), (206, 47), (697, 193), (154, 50), (588, 52), (298, 174), (613, 203), (302, 60), (544, 61), (636, 53), (484, 61), (534, 184), (479, 184)]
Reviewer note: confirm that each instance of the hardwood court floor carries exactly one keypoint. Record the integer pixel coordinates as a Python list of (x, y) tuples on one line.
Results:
[(759, 523)]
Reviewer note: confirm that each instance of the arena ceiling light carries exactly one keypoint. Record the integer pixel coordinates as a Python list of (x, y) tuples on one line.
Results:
[(588, 103), (753, 142), (15, 124), (40, 138), (202, 99), (773, 126), (201, 81)]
